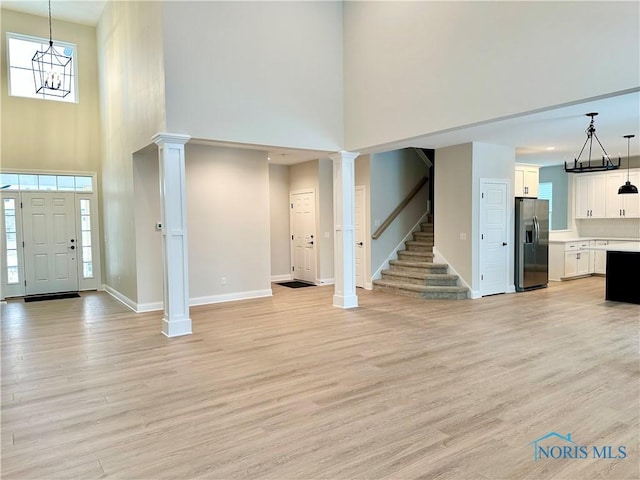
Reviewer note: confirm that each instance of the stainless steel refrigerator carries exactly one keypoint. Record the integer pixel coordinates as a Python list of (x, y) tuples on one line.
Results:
[(531, 244)]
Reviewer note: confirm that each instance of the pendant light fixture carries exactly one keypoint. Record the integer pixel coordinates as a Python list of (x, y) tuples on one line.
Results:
[(52, 69), (627, 187), (582, 167)]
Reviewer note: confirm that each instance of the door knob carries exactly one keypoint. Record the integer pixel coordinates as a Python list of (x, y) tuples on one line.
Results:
[(72, 247), (310, 243), (504, 244), (359, 244)]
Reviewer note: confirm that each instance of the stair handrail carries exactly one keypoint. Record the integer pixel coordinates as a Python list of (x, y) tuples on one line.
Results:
[(424, 157), (392, 216)]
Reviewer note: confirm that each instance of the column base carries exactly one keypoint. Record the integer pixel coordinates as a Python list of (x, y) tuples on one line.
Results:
[(349, 301), (176, 328)]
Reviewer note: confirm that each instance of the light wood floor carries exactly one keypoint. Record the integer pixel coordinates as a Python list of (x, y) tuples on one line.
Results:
[(290, 387)]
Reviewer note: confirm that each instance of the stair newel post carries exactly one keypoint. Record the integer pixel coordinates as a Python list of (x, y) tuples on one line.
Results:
[(173, 204), (344, 229)]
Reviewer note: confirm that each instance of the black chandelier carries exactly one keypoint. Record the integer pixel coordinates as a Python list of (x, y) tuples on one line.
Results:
[(582, 167), (52, 69)]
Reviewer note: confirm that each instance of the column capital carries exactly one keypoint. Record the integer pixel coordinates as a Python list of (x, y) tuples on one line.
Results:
[(162, 137), (343, 155)]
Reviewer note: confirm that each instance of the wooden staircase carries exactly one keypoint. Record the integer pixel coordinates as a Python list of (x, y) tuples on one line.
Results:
[(414, 274)]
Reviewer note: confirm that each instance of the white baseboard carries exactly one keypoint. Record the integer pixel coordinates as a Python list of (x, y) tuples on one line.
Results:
[(439, 258), (394, 253), (149, 307), (230, 297), (282, 278), (121, 297), (326, 281), (368, 286), (155, 306)]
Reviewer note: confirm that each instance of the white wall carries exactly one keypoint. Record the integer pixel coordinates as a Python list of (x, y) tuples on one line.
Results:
[(325, 220), (318, 175), (267, 73), (458, 173), (28, 141), (132, 110), (453, 207), (148, 246), (392, 176), (413, 68), (228, 223), (279, 221), (496, 162)]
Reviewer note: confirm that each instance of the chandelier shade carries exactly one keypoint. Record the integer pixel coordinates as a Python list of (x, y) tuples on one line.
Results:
[(628, 187)]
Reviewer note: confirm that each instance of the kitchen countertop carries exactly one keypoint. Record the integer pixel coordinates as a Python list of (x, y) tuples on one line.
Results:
[(586, 239), (618, 247)]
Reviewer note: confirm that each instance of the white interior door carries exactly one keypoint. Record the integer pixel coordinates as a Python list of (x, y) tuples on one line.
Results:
[(360, 247), (494, 238), (303, 235), (50, 244)]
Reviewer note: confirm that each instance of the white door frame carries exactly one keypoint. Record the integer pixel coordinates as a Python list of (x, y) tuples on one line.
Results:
[(90, 283), (508, 236), (315, 236), (362, 269)]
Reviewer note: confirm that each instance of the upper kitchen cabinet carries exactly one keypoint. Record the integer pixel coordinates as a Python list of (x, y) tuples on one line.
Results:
[(626, 205), (526, 181), (590, 195)]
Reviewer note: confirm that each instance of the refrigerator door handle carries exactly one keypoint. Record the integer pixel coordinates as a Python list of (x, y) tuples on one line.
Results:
[(536, 230)]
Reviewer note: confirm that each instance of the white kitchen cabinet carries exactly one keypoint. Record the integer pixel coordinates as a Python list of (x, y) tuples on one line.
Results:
[(590, 194), (599, 257), (577, 259), (622, 206), (526, 181)]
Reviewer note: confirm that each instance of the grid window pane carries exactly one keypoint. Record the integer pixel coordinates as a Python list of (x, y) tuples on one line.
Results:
[(84, 184), (11, 179), (85, 223), (10, 223), (86, 254), (12, 275), (85, 207), (47, 182), (22, 76), (66, 182), (28, 182), (11, 241), (9, 206), (12, 258), (87, 269), (86, 239)]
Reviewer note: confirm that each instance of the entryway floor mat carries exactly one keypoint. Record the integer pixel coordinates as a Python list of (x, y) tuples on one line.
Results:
[(51, 296), (296, 284)]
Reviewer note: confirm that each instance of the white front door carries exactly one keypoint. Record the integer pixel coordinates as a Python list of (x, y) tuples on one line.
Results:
[(494, 238), (50, 243), (360, 221), (303, 226)]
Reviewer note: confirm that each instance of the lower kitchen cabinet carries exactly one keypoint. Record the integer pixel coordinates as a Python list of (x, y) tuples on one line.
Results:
[(599, 257)]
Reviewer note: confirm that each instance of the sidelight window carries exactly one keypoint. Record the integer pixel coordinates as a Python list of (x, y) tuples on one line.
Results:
[(10, 232)]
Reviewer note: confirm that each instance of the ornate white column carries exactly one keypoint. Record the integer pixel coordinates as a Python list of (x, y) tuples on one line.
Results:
[(344, 230), (173, 203)]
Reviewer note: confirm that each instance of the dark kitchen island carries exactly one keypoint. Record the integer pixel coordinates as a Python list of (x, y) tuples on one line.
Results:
[(623, 273)]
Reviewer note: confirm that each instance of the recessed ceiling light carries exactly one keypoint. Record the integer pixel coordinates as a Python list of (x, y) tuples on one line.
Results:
[(550, 148)]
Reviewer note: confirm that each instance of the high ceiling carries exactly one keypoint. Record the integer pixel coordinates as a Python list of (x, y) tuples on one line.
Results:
[(548, 137), (87, 12)]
